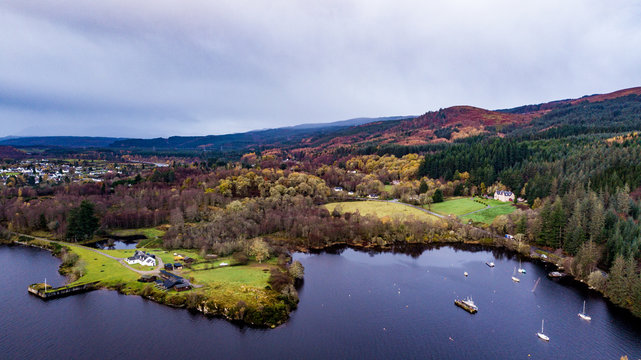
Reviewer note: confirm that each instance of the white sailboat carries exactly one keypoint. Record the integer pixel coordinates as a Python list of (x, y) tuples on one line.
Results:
[(521, 269), (514, 278), (541, 335), (583, 315)]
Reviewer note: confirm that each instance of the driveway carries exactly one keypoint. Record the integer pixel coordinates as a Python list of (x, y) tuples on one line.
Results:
[(155, 271)]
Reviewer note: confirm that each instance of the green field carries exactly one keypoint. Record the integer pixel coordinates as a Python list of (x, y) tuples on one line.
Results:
[(462, 206), (252, 275), (488, 215), (381, 209), (101, 268), (457, 207)]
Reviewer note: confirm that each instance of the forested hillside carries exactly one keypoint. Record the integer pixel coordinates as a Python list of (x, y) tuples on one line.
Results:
[(574, 164)]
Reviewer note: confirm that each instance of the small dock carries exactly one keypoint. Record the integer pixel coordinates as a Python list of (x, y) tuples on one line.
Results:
[(465, 307), (47, 292)]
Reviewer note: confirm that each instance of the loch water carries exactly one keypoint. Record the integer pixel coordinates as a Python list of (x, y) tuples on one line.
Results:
[(353, 305)]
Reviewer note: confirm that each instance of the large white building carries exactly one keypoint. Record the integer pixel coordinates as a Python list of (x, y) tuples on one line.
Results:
[(142, 258), (502, 195)]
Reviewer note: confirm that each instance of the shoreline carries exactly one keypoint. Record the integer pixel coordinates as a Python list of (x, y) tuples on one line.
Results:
[(263, 317), (237, 315), (567, 278)]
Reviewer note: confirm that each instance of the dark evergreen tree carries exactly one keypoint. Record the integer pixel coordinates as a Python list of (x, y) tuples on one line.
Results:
[(82, 222), (422, 188), (438, 196)]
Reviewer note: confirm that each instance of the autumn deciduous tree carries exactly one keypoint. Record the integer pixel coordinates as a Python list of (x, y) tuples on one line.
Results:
[(260, 250), (296, 270)]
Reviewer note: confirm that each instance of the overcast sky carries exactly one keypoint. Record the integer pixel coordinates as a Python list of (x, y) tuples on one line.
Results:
[(135, 68)]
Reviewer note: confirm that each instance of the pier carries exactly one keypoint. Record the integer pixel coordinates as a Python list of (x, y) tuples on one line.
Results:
[(46, 292)]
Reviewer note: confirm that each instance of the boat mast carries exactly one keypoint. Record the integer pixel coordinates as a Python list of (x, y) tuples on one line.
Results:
[(536, 284)]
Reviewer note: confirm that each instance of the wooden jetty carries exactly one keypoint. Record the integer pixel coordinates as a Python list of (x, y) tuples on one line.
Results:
[(46, 292)]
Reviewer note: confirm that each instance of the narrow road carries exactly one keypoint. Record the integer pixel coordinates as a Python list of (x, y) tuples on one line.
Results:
[(475, 211), (159, 263)]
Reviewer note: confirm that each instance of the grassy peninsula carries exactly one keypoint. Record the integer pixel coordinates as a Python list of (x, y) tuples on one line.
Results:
[(238, 288)]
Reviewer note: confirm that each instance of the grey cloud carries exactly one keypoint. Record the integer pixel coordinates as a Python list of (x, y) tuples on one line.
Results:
[(201, 67)]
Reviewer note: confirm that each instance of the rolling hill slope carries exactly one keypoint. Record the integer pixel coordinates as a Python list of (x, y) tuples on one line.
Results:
[(601, 113)]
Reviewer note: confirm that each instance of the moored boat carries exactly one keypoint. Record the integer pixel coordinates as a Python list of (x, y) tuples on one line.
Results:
[(541, 335), (514, 278), (555, 274), (583, 315), (467, 305)]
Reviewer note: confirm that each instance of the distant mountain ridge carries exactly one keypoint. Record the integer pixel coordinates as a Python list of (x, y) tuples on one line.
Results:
[(225, 142), (612, 112), (351, 122), (279, 137)]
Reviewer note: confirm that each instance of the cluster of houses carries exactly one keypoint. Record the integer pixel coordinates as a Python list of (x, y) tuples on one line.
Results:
[(169, 281), (43, 170)]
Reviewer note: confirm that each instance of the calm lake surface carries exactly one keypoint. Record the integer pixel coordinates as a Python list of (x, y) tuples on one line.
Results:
[(115, 244), (354, 305)]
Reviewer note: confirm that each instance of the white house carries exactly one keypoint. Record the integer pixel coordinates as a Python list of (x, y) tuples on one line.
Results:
[(142, 258), (501, 195)]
